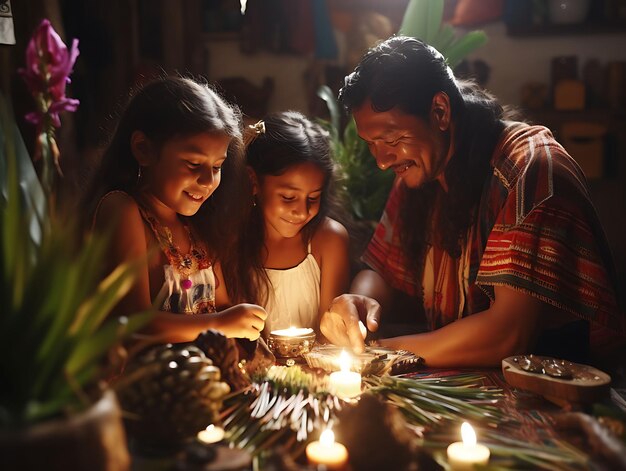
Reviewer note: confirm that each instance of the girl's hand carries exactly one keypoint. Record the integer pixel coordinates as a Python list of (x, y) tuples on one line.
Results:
[(241, 321)]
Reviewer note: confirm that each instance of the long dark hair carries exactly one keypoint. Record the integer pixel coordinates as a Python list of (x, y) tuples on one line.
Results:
[(289, 139), (406, 73), (171, 107)]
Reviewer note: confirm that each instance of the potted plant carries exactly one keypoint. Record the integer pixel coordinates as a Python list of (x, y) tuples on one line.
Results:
[(55, 411), (365, 186)]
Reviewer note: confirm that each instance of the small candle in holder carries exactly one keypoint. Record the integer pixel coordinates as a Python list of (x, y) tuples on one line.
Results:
[(211, 435), (464, 455), (345, 383), (292, 342), (327, 452), (293, 332)]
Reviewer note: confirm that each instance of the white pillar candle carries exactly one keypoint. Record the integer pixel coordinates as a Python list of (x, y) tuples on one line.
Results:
[(345, 383), (464, 455), (327, 452), (211, 434)]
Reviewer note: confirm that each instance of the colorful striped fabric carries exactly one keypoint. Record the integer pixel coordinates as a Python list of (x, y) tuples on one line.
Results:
[(536, 231)]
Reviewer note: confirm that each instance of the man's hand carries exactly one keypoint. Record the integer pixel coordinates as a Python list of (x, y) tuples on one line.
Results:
[(340, 324)]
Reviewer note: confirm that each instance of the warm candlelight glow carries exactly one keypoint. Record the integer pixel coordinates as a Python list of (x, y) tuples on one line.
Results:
[(327, 452), (468, 435), (464, 455), (293, 332), (211, 434), (327, 438), (344, 361), (345, 383)]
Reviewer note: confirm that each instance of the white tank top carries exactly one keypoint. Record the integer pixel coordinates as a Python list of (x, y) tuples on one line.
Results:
[(294, 297)]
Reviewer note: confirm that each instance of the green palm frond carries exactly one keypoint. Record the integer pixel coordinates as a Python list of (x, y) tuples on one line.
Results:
[(430, 401), (290, 406), (511, 451), (54, 322), (287, 405), (296, 405)]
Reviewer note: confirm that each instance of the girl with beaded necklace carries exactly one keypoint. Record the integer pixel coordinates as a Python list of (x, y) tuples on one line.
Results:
[(160, 186), (298, 253)]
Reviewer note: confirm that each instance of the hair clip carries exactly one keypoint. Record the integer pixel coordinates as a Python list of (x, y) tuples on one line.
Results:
[(253, 131), (259, 127)]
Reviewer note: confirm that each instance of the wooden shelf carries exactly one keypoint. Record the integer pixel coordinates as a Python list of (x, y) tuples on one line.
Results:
[(547, 29)]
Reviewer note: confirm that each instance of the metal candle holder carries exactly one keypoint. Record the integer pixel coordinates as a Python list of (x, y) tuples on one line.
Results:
[(292, 342)]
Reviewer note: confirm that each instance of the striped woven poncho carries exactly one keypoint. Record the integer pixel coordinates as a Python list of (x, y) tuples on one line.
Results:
[(536, 231)]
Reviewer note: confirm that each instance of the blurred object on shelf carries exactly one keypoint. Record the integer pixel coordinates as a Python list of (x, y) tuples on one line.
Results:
[(615, 9), (594, 76), (476, 12), (616, 84), (569, 94), (534, 95), (584, 141), (568, 11), (563, 67), (518, 12)]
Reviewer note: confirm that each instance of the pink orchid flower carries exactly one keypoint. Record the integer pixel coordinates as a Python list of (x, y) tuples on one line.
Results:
[(48, 66)]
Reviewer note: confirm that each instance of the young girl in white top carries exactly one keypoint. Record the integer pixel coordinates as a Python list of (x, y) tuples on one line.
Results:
[(158, 192), (300, 254)]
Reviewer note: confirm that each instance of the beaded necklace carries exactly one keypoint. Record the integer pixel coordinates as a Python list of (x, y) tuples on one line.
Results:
[(185, 264)]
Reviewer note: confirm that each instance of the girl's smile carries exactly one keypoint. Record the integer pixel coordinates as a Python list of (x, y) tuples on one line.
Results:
[(289, 201), (185, 173)]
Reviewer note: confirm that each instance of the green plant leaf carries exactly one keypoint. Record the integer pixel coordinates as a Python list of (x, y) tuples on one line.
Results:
[(433, 22), (93, 311), (415, 20), (53, 303), (30, 190), (326, 94), (92, 347), (471, 41), (444, 39)]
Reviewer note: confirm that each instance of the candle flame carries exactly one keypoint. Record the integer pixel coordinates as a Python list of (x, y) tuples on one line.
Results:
[(468, 434), (210, 428), (344, 361), (327, 438), (293, 331)]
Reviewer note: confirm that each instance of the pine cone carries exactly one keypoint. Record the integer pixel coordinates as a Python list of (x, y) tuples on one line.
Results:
[(224, 353), (170, 393)]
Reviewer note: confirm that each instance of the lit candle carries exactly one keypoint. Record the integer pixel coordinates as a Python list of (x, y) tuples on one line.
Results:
[(327, 451), (292, 332), (464, 455), (345, 383), (211, 434)]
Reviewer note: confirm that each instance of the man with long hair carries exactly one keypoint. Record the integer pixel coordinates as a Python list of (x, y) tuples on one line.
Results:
[(489, 223)]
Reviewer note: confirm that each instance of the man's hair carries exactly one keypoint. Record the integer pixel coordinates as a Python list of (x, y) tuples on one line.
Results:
[(400, 72), (406, 73)]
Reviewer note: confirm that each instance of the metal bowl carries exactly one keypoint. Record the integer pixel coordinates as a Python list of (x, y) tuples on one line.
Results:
[(291, 346)]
